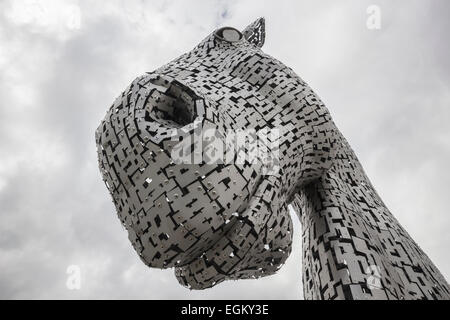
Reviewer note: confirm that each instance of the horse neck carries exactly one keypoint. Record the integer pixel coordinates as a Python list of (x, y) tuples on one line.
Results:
[(353, 247)]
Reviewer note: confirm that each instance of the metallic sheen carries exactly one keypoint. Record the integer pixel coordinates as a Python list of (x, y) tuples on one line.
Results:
[(221, 221)]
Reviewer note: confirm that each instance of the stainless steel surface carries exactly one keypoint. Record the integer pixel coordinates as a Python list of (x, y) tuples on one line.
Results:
[(218, 221)]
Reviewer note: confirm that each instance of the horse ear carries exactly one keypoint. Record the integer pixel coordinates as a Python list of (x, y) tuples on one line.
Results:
[(255, 33)]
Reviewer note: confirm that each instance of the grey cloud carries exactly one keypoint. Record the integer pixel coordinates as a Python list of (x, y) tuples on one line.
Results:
[(388, 91)]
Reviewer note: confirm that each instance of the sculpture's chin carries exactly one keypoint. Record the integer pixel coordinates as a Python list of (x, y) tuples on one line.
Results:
[(193, 278), (258, 245)]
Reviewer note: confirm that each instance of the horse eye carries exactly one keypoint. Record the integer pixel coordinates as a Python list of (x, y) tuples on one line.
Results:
[(228, 34)]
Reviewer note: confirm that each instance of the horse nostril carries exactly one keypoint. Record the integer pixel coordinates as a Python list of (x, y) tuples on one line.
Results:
[(173, 104)]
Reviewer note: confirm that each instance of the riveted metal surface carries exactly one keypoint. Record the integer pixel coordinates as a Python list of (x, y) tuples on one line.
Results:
[(215, 221)]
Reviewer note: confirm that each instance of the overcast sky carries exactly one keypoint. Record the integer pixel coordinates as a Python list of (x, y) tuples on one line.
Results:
[(62, 63)]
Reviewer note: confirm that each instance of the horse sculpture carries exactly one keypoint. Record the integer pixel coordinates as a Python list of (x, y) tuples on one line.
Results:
[(214, 219)]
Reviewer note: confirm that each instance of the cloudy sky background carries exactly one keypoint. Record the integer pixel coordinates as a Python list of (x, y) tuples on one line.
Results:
[(62, 63)]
